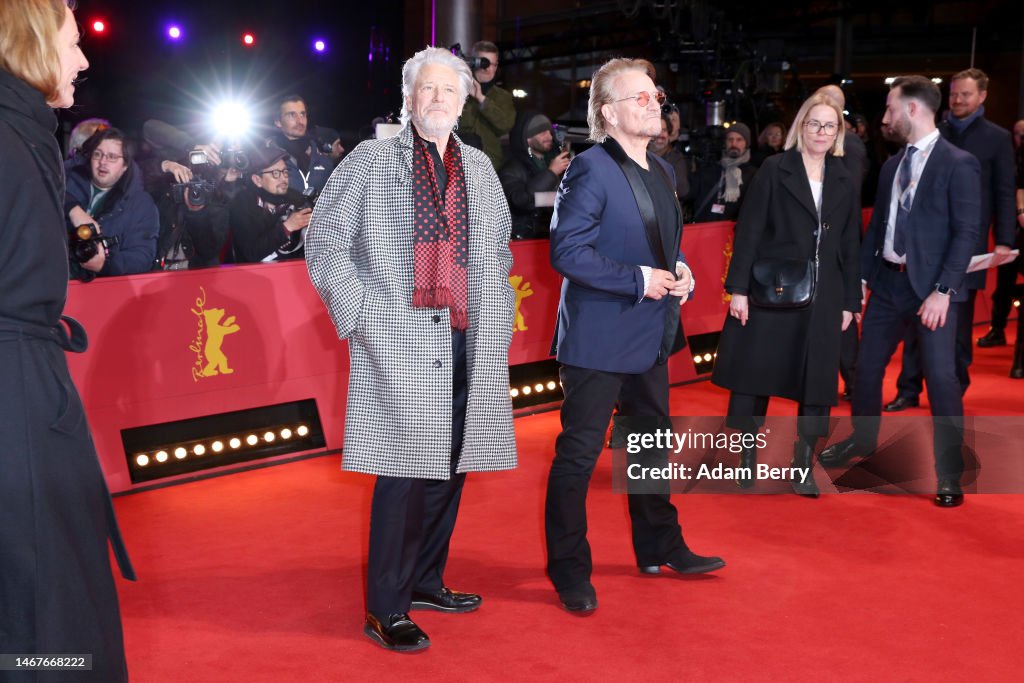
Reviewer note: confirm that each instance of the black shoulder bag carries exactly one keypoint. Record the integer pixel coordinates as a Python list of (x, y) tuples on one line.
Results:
[(784, 282)]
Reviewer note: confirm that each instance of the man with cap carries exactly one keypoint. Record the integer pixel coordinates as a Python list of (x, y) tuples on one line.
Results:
[(530, 169), (268, 219), (717, 192)]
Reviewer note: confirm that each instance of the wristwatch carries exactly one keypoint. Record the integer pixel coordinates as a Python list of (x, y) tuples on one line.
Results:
[(943, 289)]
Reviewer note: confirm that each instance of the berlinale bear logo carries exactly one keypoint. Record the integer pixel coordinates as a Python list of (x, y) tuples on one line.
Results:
[(522, 290), (210, 332)]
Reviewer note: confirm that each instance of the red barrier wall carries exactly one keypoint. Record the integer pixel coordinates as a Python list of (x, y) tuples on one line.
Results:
[(178, 345)]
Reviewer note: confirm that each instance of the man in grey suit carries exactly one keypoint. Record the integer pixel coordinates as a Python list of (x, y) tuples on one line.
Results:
[(914, 258), (408, 248)]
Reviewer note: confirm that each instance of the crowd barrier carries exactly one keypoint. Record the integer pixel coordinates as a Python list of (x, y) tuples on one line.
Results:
[(171, 346)]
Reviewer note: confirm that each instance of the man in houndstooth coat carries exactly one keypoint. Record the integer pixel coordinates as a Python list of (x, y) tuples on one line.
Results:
[(408, 248)]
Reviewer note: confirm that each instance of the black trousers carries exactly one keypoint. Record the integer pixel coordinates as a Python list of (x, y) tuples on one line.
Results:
[(1006, 289), (590, 396), (412, 520), (850, 343), (910, 383), (891, 310), (746, 414)]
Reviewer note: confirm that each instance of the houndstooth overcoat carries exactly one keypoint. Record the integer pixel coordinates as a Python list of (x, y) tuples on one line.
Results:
[(360, 257)]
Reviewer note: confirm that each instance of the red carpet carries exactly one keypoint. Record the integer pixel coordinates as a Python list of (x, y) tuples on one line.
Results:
[(259, 576)]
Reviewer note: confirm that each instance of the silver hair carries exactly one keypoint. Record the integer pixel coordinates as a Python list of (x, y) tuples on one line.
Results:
[(432, 55)]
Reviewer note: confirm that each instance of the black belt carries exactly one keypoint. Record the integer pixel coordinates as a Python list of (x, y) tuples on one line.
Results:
[(70, 338), (898, 267)]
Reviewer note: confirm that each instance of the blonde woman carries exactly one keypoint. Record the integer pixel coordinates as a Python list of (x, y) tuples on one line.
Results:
[(802, 203)]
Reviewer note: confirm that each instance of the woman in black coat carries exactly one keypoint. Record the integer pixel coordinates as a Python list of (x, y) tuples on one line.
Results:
[(57, 592), (793, 353)]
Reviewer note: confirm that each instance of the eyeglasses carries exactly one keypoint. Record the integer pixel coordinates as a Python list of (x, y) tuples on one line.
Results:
[(276, 173), (100, 156), (643, 98), (813, 126)]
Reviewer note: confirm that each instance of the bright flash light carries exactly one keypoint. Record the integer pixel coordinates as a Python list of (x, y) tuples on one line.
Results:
[(319, 45), (937, 81), (518, 92), (99, 26), (174, 32), (231, 120)]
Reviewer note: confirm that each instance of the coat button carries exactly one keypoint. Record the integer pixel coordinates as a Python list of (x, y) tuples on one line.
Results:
[(825, 225), (436, 318), (437, 363)]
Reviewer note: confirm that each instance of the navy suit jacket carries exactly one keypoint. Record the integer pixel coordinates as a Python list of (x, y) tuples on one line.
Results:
[(598, 242), (943, 225), (993, 147)]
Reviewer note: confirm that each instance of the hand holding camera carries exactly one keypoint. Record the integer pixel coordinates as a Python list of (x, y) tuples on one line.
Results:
[(298, 220)]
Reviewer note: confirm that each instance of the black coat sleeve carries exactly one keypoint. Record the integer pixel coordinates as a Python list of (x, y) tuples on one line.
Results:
[(749, 229), (255, 233)]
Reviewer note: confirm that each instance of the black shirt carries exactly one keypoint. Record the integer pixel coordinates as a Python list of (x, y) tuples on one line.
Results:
[(666, 208)]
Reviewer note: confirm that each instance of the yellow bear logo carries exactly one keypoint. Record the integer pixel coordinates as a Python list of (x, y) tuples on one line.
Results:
[(217, 362), (522, 290)]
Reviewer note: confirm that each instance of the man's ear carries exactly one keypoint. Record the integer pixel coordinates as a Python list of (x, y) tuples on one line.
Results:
[(257, 180), (277, 124)]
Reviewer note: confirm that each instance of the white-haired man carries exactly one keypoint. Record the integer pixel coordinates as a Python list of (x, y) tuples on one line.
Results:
[(408, 247)]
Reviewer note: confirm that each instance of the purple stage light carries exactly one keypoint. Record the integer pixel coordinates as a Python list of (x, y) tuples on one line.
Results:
[(319, 45), (174, 32)]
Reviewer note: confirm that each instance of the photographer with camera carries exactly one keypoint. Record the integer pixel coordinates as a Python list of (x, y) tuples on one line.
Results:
[(268, 218), (192, 185), (489, 111), (309, 158), (104, 190), (531, 168)]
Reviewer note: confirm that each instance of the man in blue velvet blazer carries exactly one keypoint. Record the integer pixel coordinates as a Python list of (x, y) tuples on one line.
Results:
[(615, 237), (914, 259)]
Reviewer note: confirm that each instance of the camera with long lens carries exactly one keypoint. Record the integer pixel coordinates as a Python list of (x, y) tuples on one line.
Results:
[(229, 158), (474, 63), (199, 191), (85, 241)]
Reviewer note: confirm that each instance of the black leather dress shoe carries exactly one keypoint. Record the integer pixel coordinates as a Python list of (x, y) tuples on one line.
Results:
[(689, 563), (395, 632), (902, 403), (580, 601), (949, 495), (838, 454), (446, 600), (992, 339)]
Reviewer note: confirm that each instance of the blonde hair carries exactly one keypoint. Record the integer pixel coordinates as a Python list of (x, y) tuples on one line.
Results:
[(601, 91), (28, 42), (795, 137)]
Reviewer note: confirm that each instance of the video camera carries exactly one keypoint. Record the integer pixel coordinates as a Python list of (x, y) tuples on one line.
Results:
[(84, 241), (473, 62)]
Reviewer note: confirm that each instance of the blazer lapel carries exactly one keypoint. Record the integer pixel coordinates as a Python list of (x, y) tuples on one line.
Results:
[(834, 190), (932, 168), (795, 181), (643, 201)]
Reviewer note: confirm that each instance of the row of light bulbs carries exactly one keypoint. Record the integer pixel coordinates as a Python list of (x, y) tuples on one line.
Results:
[(706, 358), (218, 446), (528, 389)]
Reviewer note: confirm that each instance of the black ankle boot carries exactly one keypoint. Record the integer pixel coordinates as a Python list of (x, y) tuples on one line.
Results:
[(1017, 371), (748, 463), (803, 457)]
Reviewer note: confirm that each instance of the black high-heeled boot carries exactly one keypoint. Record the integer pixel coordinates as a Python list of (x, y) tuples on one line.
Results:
[(803, 457), (748, 463), (1017, 371)]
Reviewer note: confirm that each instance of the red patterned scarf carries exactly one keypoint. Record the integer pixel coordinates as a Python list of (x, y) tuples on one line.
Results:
[(440, 234)]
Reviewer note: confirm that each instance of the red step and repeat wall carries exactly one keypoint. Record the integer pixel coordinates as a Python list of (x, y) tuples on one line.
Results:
[(180, 345)]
